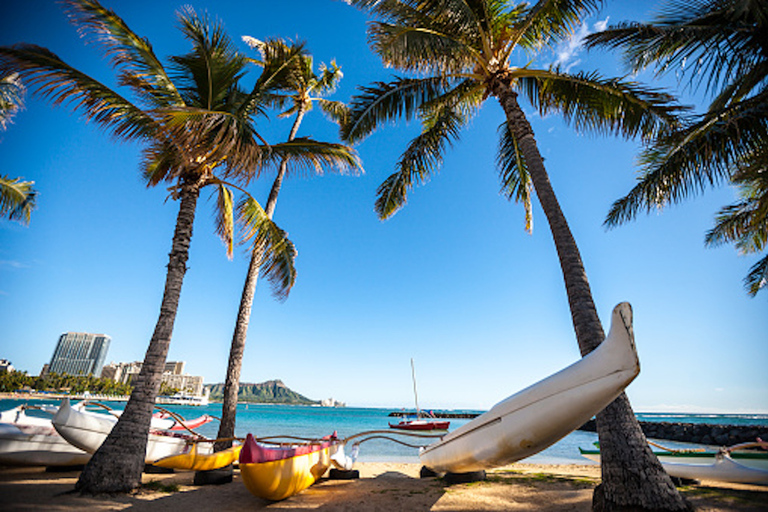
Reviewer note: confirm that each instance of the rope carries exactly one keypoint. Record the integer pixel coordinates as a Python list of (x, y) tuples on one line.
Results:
[(673, 450), (390, 432), (391, 439)]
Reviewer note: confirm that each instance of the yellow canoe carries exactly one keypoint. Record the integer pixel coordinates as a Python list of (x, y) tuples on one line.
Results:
[(195, 461), (288, 473)]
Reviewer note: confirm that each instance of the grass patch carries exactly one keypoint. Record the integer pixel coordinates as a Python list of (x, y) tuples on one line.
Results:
[(725, 495), (511, 477), (157, 485)]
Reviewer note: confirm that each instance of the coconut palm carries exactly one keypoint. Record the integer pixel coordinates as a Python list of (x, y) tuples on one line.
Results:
[(460, 53), (300, 88), (198, 126), (17, 197), (718, 45)]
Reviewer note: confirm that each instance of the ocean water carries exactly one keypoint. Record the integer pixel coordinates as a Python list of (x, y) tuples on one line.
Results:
[(306, 421)]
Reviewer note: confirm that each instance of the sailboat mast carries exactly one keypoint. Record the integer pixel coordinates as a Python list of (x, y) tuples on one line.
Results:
[(415, 393)]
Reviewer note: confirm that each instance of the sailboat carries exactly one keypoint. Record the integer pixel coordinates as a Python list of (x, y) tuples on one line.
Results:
[(422, 421)]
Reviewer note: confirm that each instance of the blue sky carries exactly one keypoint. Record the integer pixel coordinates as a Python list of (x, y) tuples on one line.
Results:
[(452, 280)]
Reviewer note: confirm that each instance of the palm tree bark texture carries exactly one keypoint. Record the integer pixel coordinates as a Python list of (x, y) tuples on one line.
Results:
[(128, 439), (626, 475)]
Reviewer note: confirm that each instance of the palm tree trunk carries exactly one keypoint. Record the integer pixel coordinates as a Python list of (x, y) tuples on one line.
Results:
[(236, 351), (633, 478), (117, 465)]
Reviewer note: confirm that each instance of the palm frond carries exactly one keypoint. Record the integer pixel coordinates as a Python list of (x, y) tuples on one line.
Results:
[(130, 53), (17, 199), (608, 106), (208, 74), (420, 49), (442, 119), (281, 62), (548, 21), (276, 250), (385, 102), (707, 40), (516, 183), (329, 79), (11, 97), (225, 216), (217, 138), (757, 279), (700, 155), (51, 78), (305, 154), (337, 111)]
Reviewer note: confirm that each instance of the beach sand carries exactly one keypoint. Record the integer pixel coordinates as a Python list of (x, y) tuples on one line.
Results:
[(382, 487)]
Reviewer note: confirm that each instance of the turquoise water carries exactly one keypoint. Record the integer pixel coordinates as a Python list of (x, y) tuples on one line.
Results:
[(304, 421)]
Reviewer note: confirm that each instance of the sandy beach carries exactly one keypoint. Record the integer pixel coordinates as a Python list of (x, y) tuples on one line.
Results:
[(382, 487)]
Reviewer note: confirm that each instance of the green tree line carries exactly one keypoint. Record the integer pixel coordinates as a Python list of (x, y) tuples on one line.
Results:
[(76, 384)]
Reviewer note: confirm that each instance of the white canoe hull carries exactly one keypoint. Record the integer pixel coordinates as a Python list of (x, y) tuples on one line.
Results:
[(30, 441), (723, 469), (542, 414), (88, 430)]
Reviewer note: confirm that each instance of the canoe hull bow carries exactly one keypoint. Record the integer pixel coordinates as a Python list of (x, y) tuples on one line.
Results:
[(276, 473), (542, 414)]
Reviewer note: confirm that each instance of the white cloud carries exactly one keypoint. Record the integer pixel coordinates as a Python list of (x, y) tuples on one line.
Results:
[(568, 51), (13, 264)]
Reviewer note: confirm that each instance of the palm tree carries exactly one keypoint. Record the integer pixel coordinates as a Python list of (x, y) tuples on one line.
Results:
[(300, 88), (198, 126), (17, 198), (460, 52), (719, 45)]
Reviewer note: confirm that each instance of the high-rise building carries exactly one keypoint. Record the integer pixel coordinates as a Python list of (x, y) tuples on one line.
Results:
[(80, 353), (173, 375)]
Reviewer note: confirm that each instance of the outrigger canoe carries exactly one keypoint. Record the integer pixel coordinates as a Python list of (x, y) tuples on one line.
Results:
[(32, 441), (276, 473), (727, 465), (540, 415), (88, 430), (195, 460)]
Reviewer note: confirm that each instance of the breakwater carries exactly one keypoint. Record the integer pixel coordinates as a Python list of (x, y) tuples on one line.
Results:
[(698, 433), (437, 414)]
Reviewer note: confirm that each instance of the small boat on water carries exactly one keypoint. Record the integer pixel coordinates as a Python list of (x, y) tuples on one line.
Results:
[(726, 465), (31, 441), (88, 430), (422, 421), (421, 424), (278, 472), (540, 415)]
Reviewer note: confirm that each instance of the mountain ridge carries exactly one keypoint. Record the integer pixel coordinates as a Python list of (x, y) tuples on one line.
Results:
[(269, 392)]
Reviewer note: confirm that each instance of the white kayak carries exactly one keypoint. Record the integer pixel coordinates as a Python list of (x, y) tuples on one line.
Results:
[(88, 430), (540, 415), (32, 441)]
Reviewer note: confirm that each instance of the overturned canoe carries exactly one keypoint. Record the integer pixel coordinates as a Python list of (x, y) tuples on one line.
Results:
[(194, 460), (276, 473), (540, 415)]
